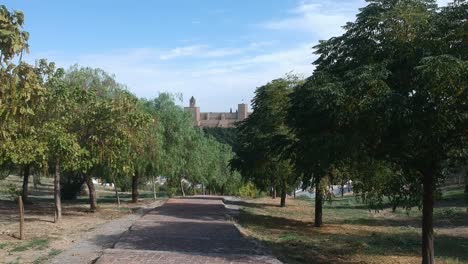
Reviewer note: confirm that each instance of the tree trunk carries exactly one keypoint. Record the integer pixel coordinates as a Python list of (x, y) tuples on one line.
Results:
[(154, 189), (182, 187), (283, 198), (273, 196), (466, 181), (318, 203), (135, 193), (342, 189), (57, 198), (24, 193), (92, 193), (116, 191), (427, 223)]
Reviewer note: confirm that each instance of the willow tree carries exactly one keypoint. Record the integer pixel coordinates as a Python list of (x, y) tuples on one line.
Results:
[(176, 130), (101, 124)]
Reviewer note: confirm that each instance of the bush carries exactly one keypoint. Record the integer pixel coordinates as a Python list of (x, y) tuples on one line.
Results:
[(71, 185), (12, 191), (248, 190)]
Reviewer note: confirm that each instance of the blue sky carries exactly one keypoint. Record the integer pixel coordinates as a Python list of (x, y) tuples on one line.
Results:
[(216, 50)]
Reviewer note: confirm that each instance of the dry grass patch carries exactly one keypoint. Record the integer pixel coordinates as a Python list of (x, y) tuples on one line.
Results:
[(353, 234), (45, 239)]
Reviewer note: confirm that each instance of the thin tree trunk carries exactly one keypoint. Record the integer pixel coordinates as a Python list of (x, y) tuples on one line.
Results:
[(24, 193), (318, 203), (116, 191), (466, 181), (21, 216), (92, 193), (283, 198), (182, 188), (342, 189), (154, 189), (57, 198), (135, 193), (427, 223)]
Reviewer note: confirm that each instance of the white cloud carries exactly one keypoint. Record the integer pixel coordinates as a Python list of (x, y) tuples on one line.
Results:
[(205, 51), (218, 82), (322, 19), (182, 52)]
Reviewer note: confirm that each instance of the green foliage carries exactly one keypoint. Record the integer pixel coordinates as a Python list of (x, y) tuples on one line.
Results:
[(12, 191), (223, 135), (71, 185), (248, 190), (261, 135), (388, 99)]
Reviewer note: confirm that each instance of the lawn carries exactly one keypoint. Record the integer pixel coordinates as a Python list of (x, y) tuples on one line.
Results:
[(353, 234)]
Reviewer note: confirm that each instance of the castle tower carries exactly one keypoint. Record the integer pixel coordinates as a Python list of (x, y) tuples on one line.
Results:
[(194, 110), (242, 111)]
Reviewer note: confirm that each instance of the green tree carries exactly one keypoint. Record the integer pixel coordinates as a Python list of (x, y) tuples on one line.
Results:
[(104, 124), (258, 158), (176, 129), (401, 69), (55, 118), (20, 95), (318, 148)]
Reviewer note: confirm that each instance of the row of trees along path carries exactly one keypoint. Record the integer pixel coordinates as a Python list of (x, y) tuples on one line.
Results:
[(81, 124), (386, 107)]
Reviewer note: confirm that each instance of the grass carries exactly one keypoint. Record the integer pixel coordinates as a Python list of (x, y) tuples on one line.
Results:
[(36, 244), (353, 234), (52, 253)]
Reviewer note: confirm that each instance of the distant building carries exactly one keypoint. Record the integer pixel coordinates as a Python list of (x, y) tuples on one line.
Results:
[(216, 119)]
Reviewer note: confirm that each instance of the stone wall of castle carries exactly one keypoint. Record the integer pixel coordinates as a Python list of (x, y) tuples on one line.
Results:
[(216, 119)]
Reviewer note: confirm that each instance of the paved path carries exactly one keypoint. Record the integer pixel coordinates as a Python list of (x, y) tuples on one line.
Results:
[(185, 231), (94, 242)]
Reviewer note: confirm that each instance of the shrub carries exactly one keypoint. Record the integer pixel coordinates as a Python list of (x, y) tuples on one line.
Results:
[(71, 185), (12, 191), (248, 190)]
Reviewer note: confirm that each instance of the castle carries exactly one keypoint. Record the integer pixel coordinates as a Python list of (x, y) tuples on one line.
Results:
[(219, 119)]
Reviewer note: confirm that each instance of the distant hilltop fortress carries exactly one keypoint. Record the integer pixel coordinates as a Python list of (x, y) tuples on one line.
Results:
[(211, 119)]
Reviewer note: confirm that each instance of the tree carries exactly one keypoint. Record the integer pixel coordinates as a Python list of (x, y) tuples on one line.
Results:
[(103, 124), (318, 147), (176, 129), (55, 118), (401, 68), (20, 95), (258, 158)]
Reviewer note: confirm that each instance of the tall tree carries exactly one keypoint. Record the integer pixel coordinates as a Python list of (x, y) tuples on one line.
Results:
[(20, 95), (55, 118), (259, 135), (401, 68)]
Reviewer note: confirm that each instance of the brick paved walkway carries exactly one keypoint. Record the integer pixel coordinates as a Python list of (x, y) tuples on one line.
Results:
[(185, 231)]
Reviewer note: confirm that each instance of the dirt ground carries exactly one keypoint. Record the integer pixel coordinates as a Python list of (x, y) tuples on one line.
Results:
[(43, 238)]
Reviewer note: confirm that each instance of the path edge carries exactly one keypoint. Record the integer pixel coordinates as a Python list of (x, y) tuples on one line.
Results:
[(86, 251)]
